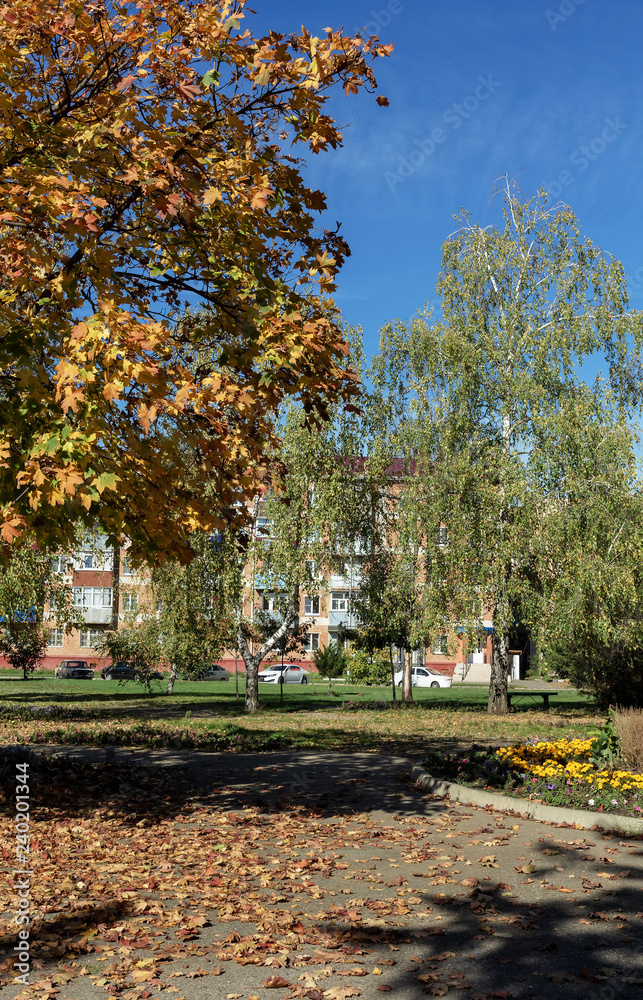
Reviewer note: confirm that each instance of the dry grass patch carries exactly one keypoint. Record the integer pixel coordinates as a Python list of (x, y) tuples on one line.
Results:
[(629, 726)]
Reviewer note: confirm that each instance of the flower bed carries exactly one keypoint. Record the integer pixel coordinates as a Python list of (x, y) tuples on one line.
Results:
[(558, 773)]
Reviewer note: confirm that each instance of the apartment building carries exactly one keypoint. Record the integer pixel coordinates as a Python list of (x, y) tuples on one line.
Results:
[(106, 589)]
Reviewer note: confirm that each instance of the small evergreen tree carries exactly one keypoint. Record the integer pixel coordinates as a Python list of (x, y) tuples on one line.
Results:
[(330, 662)]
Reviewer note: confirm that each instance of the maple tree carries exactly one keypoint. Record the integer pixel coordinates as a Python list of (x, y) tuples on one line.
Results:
[(145, 168)]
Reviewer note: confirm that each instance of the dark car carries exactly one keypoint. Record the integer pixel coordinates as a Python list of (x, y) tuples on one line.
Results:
[(76, 669), (118, 672), (125, 672)]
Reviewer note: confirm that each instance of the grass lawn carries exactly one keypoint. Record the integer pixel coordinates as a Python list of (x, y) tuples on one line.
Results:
[(102, 711)]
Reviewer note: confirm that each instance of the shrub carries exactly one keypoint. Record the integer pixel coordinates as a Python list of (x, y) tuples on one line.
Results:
[(612, 674), (330, 662), (365, 669), (629, 726)]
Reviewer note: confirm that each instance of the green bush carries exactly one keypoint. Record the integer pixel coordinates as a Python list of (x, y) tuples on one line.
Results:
[(365, 669), (330, 662), (612, 674)]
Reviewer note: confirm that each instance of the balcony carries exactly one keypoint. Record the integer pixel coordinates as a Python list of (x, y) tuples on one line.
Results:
[(95, 616), (347, 618)]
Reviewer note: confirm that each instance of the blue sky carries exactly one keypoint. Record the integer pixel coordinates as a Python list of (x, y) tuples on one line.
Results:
[(477, 90)]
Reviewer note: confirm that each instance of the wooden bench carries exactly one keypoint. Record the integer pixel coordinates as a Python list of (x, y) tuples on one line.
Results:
[(544, 695)]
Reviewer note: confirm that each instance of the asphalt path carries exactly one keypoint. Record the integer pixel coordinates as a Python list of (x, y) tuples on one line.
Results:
[(419, 897)]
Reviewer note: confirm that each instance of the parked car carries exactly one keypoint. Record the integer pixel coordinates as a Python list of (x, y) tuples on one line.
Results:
[(215, 673), (122, 671), (292, 674), (76, 669), (425, 677), (118, 672)]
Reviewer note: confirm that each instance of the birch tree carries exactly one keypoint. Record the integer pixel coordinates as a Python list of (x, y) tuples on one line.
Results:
[(518, 463), (301, 525)]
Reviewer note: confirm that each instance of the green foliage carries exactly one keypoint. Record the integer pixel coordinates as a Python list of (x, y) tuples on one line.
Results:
[(27, 584), (368, 668), (612, 674), (605, 748), (140, 646), (306, 520), (190, 617), (330, 662), (483, 415)]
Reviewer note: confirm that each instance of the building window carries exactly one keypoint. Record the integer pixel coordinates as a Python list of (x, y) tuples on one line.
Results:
[(440, 646), (126, 567), (311, 568), (264, 525), (56, 637), (311, 605), (418, 657), (92, 597), (339, 601), (91, 637), (440, 535), (333, 639), (268, 602), (130, 602), (311, 642), (59, 564)]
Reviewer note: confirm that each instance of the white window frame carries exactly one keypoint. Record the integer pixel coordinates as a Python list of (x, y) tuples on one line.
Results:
[(126, 569), (92, 597), (54, 635), (441, 535), (129, 602), (440, 645), (311, 605), (88, 635), (311, 642), (340, 600), (59, 564)]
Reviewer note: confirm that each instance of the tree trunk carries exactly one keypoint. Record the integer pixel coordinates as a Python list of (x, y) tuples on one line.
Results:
[(172, 678), (407, 676), (390, 656), (498, 704), (253, 662), (252, 683)]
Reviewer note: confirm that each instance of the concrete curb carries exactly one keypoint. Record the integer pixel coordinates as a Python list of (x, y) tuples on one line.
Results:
[(579, 818)]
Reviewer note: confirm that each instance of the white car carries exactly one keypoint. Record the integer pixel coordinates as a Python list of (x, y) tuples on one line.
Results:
[(292, 674), (425, 677), (215, 673)]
